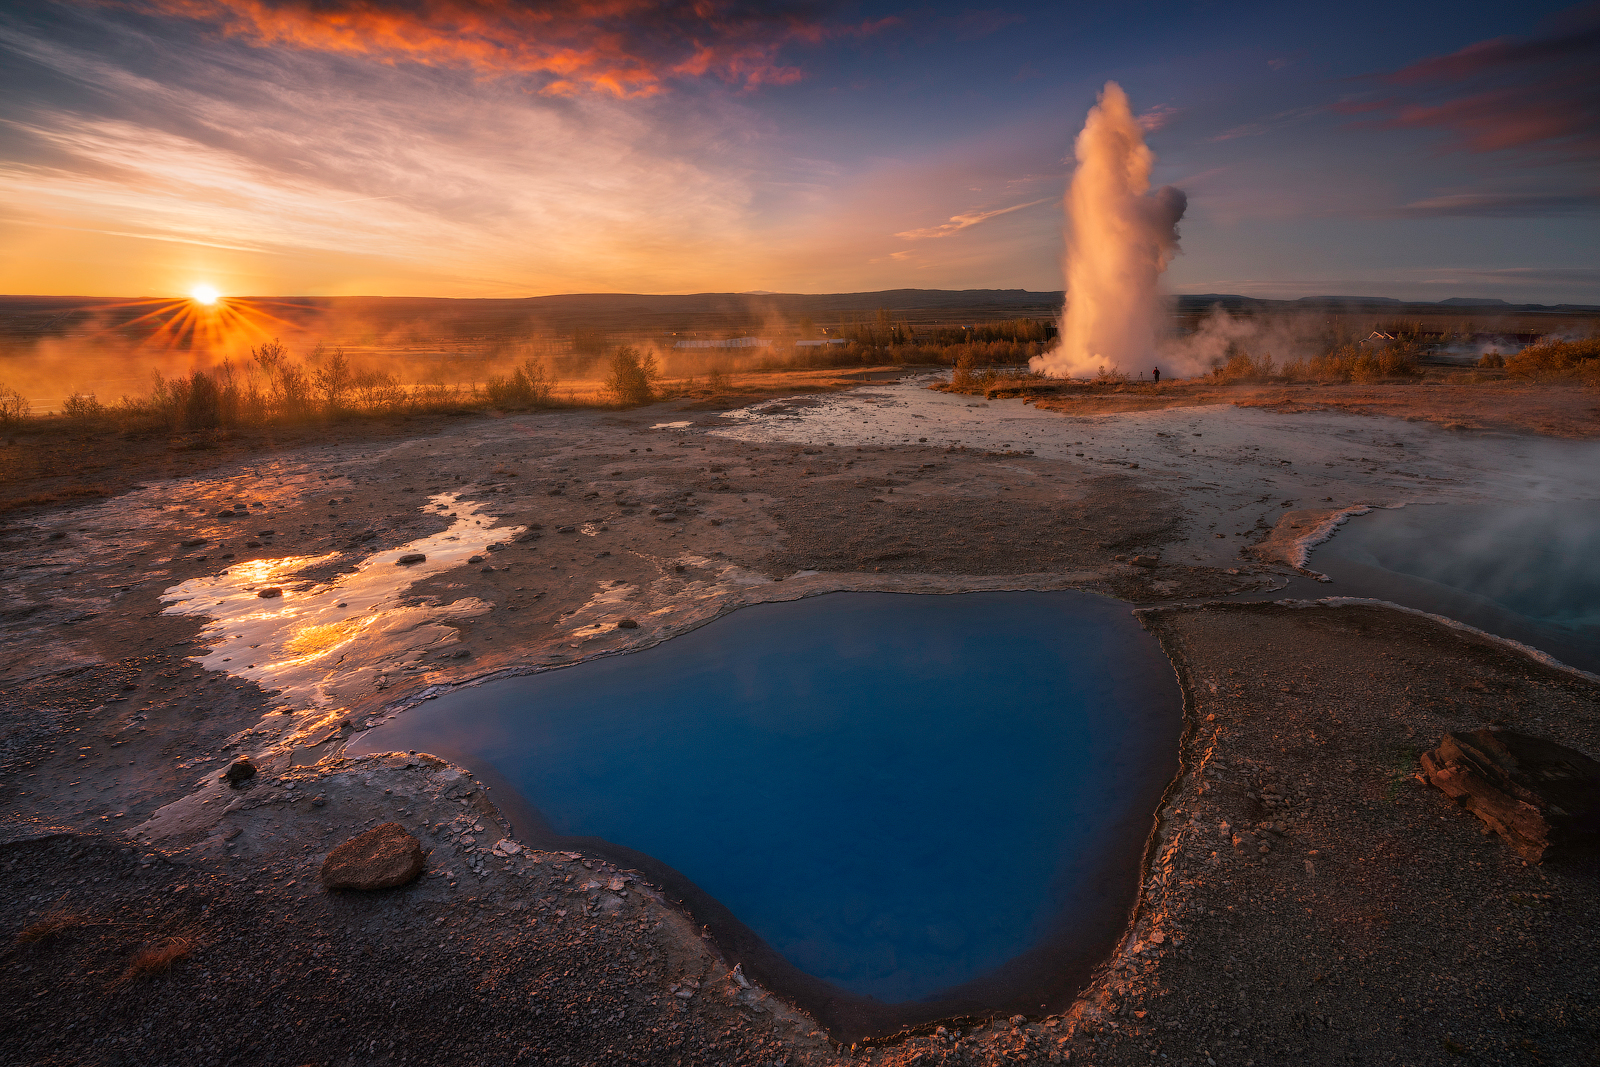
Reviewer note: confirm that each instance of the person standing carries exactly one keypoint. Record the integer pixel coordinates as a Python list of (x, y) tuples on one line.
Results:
[(1156, 374)]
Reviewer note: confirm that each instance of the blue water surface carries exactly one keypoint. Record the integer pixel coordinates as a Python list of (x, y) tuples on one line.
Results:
[(897, 792), (1528, 572)]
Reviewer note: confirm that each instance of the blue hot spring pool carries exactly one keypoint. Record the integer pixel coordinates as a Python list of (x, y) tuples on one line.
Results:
[(1527, 572), (873, 799)]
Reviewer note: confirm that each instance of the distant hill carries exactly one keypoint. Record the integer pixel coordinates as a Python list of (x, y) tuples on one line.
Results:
[(485, 323)]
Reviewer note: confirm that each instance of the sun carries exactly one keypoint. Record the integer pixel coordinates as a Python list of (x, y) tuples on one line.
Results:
[(204, 294)]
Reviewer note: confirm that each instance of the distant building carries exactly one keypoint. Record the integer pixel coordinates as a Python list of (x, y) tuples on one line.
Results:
[(731, 342)]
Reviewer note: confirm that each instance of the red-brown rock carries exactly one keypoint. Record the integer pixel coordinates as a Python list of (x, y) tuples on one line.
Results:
[(381, 858), (1534, 793)]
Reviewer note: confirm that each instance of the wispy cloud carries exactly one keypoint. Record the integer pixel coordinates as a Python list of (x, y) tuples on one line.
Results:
[(623, 48), (963, 221), (1157, 117), (398, 165), (1271, 123), (1536, 95), (1501, 205)]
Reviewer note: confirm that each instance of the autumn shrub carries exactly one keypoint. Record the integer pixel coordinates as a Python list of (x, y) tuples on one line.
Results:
[(83, 407), (14, 407), (1557, 359), (526, 387), (632, 377)]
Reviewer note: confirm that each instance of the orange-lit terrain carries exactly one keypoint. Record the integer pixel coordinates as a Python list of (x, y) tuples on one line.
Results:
[(363, 362)]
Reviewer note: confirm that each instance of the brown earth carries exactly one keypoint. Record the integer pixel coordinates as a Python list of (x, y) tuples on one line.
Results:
[(1375, 889), (1454, 399), (50, 462)]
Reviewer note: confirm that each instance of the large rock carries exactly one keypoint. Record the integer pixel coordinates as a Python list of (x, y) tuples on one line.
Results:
[(382, 858), (1534, 793)]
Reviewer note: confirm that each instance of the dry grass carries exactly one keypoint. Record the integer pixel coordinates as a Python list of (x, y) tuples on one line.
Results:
[(49, 927), (158, 958)]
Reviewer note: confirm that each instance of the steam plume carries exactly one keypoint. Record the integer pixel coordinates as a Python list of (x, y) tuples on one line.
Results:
[(1119, 240)]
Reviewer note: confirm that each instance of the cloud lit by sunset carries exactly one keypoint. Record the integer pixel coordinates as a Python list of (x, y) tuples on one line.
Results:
[(502, 148)]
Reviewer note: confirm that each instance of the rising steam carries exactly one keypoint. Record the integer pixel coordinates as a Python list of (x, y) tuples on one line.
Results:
[(1119, 240)]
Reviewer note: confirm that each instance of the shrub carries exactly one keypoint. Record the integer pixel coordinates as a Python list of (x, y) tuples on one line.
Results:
[(378, 390), (334, 380), (1491, 361), (526, 387), (1556, 359), (632, 377), (82, 407), (14, 407)]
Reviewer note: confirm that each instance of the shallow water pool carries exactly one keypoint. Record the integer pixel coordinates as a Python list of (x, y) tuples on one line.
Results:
[(1529, 572), (871, 798)]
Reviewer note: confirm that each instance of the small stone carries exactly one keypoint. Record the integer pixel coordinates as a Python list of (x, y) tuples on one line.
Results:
[(1147, 562), (318, 800), (666, 516), (239, 770), (410, 558), (382, 858), (270, 592), (474, 559), (628, 624)]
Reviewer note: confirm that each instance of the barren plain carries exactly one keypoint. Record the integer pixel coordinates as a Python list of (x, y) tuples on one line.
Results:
[(1307, 899)]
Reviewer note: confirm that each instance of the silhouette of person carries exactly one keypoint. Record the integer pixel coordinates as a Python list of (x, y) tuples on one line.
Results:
[(1157, 375)]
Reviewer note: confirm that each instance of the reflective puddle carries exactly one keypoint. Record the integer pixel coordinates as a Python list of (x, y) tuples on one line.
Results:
[(271, 624)]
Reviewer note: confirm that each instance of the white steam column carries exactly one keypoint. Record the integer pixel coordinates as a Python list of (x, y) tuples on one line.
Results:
[(1119, 240)]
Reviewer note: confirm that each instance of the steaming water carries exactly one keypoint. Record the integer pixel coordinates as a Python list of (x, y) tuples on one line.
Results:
[(1232, 470), (1528, 572), (897, 793), (1119, 241)]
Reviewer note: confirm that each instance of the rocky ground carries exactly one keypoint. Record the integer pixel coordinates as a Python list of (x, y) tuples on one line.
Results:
[(156, 914), (1456, 398)]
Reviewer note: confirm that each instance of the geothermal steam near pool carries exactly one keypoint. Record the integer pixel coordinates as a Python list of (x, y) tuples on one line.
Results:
[(1119, 240)]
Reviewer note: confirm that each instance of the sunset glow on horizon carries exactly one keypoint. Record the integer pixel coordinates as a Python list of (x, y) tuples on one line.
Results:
[(494, 148)]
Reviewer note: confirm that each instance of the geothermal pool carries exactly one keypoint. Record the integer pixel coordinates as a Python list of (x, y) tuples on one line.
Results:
[(871, 798), (1530, 572)]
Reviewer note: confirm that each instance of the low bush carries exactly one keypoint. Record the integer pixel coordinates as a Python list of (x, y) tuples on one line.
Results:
[(14, 407), (526, 387), (1557, 359), (632, 378)]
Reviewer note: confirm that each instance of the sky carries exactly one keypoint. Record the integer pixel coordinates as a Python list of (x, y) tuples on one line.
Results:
[(508, 148)]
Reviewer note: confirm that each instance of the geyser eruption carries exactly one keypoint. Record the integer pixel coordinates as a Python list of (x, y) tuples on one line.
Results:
[(1119, 240)]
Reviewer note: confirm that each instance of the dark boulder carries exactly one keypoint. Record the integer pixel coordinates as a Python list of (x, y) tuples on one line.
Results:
[(1537, 795), (381, 858), (239, 770)]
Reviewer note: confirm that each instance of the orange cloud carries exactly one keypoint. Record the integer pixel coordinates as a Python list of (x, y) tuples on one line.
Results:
[(621, 48)]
